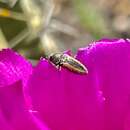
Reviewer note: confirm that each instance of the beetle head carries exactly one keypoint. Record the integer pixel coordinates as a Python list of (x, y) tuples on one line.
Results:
[(55, 58)]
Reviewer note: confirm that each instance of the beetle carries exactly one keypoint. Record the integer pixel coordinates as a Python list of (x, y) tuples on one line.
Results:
[(60, 59)]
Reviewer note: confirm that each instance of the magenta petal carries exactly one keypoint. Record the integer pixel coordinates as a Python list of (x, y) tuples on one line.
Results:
[(110, 59), (65, 100), (4, 125), (13, 67), (13, 109), (127, 122), (97, 101)]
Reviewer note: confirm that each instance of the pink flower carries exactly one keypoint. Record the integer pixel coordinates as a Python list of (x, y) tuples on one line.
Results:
[(64, 100), (14, 74)]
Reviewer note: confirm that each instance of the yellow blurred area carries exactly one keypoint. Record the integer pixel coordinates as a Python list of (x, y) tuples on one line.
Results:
[(4, 12)]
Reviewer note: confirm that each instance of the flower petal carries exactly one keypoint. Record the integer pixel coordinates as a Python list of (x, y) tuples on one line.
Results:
[(65, 100), (127, 122), (13, 67), (110, 59), (14, 111), (4, 125), (97, 101)]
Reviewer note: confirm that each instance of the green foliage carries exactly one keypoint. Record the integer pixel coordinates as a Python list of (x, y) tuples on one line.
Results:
[(91, 18)]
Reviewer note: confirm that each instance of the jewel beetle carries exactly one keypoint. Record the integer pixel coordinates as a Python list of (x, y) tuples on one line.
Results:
[(64, 60)]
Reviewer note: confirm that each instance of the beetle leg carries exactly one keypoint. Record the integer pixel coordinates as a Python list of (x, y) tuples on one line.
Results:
[(59, 67)]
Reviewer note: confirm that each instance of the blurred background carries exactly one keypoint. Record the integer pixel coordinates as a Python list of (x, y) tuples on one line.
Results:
[(38, 28)]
